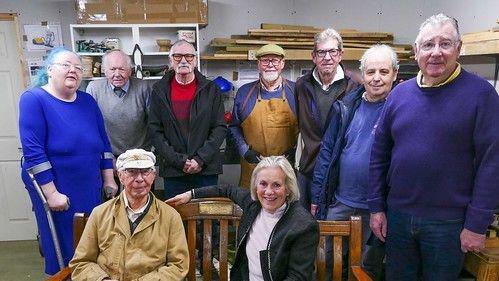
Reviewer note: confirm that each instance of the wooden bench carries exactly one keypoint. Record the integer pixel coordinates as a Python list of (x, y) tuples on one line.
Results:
[(337, 231), (205, 211), (484, 265)]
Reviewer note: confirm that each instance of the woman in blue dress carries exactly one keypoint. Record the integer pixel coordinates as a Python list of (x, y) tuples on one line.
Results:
[(65, 144)]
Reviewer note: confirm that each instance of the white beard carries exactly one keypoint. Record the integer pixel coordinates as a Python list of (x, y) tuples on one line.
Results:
[(270, 76)]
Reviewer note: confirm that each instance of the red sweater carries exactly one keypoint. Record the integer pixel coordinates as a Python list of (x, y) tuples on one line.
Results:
[(182, 97)]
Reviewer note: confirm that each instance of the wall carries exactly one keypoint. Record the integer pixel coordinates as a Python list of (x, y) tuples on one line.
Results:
[(227, 17), (402, 17), (35, 11)]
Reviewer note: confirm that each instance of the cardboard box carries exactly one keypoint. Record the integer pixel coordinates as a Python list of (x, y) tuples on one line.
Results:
[(142, 11)]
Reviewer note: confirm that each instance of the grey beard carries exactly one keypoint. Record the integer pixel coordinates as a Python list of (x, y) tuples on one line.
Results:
[(270, 76)]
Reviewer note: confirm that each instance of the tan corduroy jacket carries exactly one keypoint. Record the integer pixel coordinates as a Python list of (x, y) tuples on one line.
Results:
[(157, 250)]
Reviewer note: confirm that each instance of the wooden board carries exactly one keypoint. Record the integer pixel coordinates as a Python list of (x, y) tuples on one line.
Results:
[(281, 43), (480, 48), (357, 34), (480, 36), (287, 26)]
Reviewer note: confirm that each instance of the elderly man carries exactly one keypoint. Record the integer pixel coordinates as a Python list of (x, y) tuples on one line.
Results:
[(264, 121), (123, 101), (187, 124), (134, 236), (340, 184), (434, 163), (315, 93)]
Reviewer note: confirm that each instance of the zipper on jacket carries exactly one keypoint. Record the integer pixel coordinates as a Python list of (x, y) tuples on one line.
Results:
[(270, 240)]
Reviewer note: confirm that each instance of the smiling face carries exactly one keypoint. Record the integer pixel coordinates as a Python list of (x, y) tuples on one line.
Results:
[(271, 188), (327, 64), (438, 62), (378, 75), (117, 69), (65, 72)]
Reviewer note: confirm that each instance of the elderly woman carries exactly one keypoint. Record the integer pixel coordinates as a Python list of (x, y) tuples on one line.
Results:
[(277, 238), (66, 147)]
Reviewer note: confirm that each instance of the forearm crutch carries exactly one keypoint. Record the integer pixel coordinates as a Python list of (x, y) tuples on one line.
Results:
[(50, 220)]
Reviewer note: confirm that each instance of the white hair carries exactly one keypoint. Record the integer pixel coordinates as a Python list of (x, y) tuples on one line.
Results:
[(178, 43), (328, 34), (290, 181), (379, 49), (105, 58), (438, 20)]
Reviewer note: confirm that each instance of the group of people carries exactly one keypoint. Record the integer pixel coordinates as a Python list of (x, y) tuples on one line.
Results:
[(418, 162)]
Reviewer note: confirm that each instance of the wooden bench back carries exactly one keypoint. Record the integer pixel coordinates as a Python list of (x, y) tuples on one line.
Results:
[(339, 230), (79, 222), (205, 211)]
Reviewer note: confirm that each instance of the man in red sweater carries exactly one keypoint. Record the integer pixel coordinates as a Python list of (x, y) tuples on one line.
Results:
[(186, 124)]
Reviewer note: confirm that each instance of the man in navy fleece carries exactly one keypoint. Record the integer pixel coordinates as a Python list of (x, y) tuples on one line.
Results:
[(434, 167), (339, 187)]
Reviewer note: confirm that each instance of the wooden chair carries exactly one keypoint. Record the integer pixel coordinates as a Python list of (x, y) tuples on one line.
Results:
[(205, 211), (79, 222), (339, 230)]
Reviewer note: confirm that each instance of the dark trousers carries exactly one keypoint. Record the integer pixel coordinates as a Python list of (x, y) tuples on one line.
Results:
[(305, 188), (177, 185), (422, 249)]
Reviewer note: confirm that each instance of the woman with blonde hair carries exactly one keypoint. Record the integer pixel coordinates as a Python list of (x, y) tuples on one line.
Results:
[(277, 238)]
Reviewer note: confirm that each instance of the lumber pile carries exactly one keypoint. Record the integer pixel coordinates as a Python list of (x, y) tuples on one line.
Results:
[(298, 41), (481, 43)]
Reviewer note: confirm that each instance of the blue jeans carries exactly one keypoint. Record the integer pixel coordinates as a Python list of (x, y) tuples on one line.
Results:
[(177, 185), (422, 249), (372, 255)]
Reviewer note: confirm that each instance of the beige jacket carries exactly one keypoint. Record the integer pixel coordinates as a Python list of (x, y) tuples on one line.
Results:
[(157, 250)]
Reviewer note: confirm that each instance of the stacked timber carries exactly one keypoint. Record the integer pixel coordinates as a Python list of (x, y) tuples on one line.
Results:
[(481, 43), (298, 42)]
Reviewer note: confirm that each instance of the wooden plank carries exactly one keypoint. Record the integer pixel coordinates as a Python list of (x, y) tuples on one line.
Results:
[(263, 42), (240, 48), (287, 39), (288, 26), (480, 48), (282, 32), (480, 36), (366, 34)]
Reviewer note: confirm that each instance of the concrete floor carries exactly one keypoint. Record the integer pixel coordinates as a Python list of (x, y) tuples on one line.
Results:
[(20, 261)]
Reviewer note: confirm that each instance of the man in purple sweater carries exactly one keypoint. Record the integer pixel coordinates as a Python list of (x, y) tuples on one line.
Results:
[(434, 167)]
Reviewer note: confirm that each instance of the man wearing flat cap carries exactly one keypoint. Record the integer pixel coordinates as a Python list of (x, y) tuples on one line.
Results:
[(264, 117), (133, 236)]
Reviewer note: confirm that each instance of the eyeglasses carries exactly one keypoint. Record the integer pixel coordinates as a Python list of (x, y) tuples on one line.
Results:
[(188, 57), (67, 67), (332, 53), (266, 62), (135, 172), (444, 45), (119, 69)]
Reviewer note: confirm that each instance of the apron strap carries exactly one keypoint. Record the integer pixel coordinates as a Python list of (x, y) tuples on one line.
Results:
[(249, 95)]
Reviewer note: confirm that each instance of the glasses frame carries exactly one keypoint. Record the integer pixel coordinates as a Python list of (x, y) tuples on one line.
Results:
[(67, 67), (188, 57), (448, 45), (273, 61), (321, 54), (134, 172)]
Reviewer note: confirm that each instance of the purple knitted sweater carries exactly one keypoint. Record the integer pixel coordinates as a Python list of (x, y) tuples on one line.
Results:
[(436, 152)]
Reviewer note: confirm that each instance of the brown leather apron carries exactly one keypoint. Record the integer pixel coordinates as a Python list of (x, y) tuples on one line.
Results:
[(271, 129)]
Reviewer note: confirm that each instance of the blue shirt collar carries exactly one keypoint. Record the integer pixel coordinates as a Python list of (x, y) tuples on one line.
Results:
[(124, 88)]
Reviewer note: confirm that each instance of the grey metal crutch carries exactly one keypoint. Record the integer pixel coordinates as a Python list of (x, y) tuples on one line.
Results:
[(50, 220)]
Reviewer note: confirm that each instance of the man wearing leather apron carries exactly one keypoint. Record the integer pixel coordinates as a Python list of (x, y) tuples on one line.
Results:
[(264, 116)]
